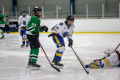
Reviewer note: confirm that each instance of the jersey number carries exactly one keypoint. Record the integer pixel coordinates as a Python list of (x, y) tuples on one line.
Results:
[(33, 24)]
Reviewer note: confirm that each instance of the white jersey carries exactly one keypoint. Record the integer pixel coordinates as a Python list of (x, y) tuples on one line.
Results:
[(63, 30), (112, 61), (23, 21)]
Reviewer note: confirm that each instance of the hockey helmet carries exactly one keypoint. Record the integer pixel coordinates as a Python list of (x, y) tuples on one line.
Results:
[(24, 13), (37, 9), (108, 52), (70, 17)]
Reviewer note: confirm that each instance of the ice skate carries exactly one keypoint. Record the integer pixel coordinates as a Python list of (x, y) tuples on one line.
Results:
[(57, 64), (23, 45)]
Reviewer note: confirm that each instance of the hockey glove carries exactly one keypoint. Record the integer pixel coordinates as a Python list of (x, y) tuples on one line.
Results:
[(52, 34), (16, 27), (70, 43), (45, 28)]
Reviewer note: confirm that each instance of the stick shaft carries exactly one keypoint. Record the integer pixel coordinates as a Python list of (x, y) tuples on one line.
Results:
[(80, 61), (47, 57), (116, 47)]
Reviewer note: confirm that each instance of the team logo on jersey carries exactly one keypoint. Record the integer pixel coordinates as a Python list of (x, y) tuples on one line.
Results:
[(61, 23), (57, 27)]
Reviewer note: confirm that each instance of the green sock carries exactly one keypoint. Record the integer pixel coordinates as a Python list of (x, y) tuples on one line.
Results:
[(2, 33), (30, 54), (34, 54)]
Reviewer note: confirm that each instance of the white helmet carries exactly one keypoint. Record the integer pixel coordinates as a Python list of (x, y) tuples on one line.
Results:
[(108, 52)]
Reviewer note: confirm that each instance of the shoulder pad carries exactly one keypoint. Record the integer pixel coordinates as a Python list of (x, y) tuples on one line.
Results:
[(61, 24), (20, 17)]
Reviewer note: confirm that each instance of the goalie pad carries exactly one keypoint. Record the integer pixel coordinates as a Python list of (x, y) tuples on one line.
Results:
[(95, 65)]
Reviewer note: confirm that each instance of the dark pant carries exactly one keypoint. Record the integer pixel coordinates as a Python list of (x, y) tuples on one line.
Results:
[(6, 28), (2, 28), (34, 41)]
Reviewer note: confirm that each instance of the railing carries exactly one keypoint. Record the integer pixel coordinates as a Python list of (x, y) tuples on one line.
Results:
[(82, 10)]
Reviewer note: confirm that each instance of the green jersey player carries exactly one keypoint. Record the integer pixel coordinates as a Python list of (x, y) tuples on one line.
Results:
[(2, 24), (32, 32)]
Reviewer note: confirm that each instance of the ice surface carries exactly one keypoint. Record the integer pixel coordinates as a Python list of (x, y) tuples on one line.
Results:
[(14, 59)]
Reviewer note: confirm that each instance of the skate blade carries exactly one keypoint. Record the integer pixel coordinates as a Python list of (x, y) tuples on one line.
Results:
[(1, 38), (59, 67), (35, 68), (27, 46), (22, 46)]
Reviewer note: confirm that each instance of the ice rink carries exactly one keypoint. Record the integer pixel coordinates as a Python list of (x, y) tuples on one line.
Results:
[(14, 59)]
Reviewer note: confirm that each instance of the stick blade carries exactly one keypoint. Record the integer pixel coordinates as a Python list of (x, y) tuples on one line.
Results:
[(55, 68), (87, 72)]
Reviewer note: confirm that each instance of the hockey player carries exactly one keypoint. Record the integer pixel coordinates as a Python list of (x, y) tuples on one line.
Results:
[(110, 60), (2, 25), (59, 32), (22, 22), (32, 32), (7, 24)]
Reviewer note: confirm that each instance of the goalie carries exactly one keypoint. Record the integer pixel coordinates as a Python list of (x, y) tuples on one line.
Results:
[(111, 59)]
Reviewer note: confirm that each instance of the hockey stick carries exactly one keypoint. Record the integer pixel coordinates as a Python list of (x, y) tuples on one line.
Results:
[(83, 64), (47, 57), (104, 57), (116, 48), (12, 30), (9, 31)]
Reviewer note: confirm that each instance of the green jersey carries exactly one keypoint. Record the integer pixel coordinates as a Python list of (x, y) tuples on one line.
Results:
[(34, 26), (2, 22)]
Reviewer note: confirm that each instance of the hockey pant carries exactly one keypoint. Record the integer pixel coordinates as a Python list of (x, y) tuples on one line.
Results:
[(24, 37), (59, 41)]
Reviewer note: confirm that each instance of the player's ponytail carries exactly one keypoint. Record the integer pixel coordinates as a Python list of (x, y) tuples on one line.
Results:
[(118, 54), (33, 14)]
